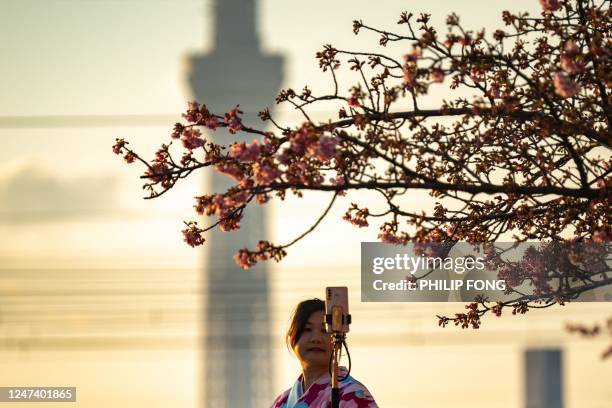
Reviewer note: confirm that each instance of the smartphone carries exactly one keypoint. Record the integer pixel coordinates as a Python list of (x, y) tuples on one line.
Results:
[(337, 309)]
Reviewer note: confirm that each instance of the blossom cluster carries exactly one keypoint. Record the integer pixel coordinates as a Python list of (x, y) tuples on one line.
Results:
[(522, 155)]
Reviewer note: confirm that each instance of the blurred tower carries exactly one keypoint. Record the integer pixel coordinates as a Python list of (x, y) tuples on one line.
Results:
[(543, 379), (238, 368)]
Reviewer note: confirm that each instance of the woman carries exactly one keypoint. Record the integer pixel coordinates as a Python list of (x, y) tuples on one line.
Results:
[(312, 345)]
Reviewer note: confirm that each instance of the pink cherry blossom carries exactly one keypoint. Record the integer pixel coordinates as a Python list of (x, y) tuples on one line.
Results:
[(549, 5), (262, 198), (196, 113), (564, 85), (283, 157), (203, 205), (494, 92), (339, 181), (245, 153), (234, 122), (230, 223), (571, 48), (409, 76), (191, 138), (211, 123), (265, 174), (298, 140), (218, 202), (415, 54), (193, 235), (236, 199), (437, 75), (193, 105), (193, 115), (570, 65), (465, 41), (477, 74), (316, 180), (243, 259), (354, 102), (601, 236), (360, 218), (119, 145), (129, 157), (389, 238), (231, 169), (157, 172), (177, 130), (356, 221), (497, 309), (269, 145), (595, 49), (301, 171), (325, 150)]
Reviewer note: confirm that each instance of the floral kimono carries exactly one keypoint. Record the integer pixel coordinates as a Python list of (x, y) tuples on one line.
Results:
[(353, 394)]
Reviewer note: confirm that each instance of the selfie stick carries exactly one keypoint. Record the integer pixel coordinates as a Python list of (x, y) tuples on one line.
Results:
[(337, 319)]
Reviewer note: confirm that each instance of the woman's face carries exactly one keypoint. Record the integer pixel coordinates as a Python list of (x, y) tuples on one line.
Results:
[(314, 346)]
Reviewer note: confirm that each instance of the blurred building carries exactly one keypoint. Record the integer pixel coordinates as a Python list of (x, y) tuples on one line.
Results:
[(238, 367)]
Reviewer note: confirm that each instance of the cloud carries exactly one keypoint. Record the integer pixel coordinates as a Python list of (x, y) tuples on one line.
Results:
[(35, 193)]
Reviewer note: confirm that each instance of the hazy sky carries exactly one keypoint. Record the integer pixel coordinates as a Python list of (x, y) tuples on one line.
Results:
[(101, 56), (96, 57), (68, 204)]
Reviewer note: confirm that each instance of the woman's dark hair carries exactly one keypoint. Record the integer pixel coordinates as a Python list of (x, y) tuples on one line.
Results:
[(300, 316)]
